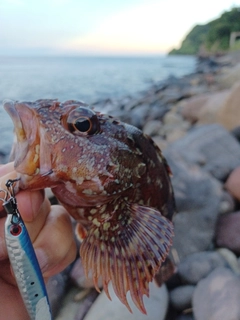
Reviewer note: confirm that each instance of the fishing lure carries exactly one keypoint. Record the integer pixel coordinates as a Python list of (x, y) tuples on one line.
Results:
[(23, 260)]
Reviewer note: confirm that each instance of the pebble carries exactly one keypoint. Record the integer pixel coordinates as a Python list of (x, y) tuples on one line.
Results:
[(79, 278), (181, 297), (229, 115), (217, 296), (218, 159), (227, 231), (211, 109), (198, 265), (152, 127), (229, 77), (198, 199), (156, 306), (233, 183), (190, 108)]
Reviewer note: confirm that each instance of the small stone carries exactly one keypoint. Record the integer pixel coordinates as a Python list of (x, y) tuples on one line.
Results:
[(230, 258), (185, 317), (181, 297), (156, 306), (233, 183), (198, 197), (210, 110), (217, 296), (227, 204), (198, 265), (191, 107), (172, 118), (56, 286), (229, 77), (152, 127), (160, 142), (229, 115), (79, 278), (212, 148), (227, 231), (176, 134)]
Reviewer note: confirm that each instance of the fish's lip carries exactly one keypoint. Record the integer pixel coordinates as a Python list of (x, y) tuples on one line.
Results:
[(10, 107), (30, 152), (26, 136)]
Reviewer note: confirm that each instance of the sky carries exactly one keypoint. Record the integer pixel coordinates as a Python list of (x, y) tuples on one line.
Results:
[(101, 27)]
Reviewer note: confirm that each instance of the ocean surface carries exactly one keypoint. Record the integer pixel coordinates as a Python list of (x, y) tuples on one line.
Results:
[(87, 79)]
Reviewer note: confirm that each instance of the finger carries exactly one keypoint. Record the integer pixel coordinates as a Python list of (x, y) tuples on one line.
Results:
[(35, 226), (6, 173), (30, 203), (32, 207), (55, 246), (6, 168)]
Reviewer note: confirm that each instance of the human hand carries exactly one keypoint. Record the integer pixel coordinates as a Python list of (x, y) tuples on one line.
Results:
[(51, 233)]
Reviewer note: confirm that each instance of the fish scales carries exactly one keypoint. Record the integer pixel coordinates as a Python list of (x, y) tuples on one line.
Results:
[(110, 177)]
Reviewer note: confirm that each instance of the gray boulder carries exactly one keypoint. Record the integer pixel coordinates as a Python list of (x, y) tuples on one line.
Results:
[(211, 147), (156, 306), (198, 199), (198, 265), (181, 297), (217, 296)]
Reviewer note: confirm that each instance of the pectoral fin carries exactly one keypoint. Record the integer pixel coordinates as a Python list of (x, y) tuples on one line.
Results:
[(127, 249)]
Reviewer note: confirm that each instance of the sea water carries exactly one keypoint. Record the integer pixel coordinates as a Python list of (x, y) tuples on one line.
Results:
[(88, 79)]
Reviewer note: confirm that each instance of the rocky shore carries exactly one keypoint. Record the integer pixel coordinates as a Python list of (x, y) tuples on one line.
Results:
[(195, 120)]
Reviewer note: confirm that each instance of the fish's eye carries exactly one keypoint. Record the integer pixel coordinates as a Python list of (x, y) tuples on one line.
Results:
[(83, 124), (82, 121)]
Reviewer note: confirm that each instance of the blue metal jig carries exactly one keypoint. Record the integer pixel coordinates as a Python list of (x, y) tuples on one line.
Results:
[(23, 260)]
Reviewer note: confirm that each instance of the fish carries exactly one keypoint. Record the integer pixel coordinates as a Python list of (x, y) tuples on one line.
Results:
[(111, 178)]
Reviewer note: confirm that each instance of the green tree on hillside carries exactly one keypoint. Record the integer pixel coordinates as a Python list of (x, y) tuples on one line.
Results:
[(214, 36)]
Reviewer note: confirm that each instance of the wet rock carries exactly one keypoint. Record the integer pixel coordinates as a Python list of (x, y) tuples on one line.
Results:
[(156, 306), (181, 297), (198, 265), (212, 147), (227, 231), (229, 116), (172, 95), (217, 296), (233, 183)]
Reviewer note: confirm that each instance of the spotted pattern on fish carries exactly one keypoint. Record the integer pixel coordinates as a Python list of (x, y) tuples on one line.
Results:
[(110, 177)]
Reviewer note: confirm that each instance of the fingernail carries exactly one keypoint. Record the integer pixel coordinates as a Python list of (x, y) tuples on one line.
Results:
[(42, 259)]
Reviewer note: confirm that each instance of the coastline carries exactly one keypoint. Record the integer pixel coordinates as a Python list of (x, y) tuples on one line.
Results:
[(185, 117)]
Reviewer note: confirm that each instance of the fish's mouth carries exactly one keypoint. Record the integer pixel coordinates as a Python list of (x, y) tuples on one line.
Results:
[(28, 152)]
